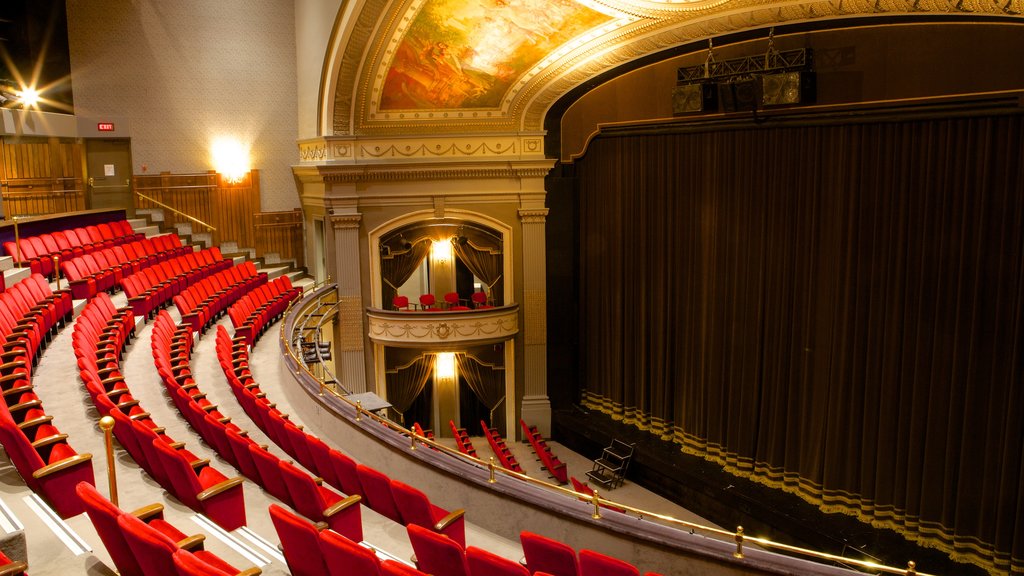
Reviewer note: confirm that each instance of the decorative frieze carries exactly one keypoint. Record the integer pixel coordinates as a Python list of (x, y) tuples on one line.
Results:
[(346, 221), (443, 329)]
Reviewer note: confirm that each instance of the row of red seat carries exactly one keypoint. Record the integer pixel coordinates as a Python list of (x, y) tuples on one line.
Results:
[(29, 311), (191, 479), (37, 252), (545, 556), (505, 457), (152, 288), (462, 441), (202, 303), (550, 462), (258, 309), (142, 543), (103, 270)]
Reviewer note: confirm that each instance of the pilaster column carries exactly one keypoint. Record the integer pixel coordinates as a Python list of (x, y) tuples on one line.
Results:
[(536, 405), (351, 362)]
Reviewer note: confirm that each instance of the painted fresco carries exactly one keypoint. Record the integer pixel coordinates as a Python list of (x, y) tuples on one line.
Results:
[(467, 53)]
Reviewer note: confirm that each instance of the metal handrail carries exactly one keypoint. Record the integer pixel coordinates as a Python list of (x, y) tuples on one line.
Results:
[(738, 535), (176, 211)]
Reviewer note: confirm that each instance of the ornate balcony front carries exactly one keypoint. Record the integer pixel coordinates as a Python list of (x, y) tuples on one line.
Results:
[(443, 329)]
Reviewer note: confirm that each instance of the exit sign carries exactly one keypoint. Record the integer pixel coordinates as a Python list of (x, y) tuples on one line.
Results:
[(105, 126)]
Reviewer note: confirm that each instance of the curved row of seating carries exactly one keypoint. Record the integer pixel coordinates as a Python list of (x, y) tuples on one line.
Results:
[(505, 457), (262, 307), (202, 303), (29, 311), (101, 332), (142, 543), (462, 441), (37, 252), (153, 288), (103, 270), (548, 460)]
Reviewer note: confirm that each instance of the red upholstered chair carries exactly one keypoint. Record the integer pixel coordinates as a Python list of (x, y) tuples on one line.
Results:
[(436, 554), (584, 489), (377, 490), (205, 490), (189, 564), (484, 563), (428, 302), (416, 508), (480, 300), (270, 473), (300, 542), (323, 504), (322, 457), (348, 477), (392, 568), (347, 558), (400, 303), (451, 299), (595, 564), (154, 551), (104, 515), (547, 555)]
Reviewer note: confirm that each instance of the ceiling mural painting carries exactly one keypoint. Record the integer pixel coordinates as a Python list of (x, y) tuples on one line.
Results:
[(469, 53)]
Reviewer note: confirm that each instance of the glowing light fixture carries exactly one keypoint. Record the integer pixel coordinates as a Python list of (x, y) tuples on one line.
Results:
[(230, 159), (444, 365), (441, 250), (29, 97)]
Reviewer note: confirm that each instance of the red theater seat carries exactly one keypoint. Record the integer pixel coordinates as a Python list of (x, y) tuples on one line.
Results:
[(436, 554), (595, 564), (300, 542), (547, 555), (416, 508)]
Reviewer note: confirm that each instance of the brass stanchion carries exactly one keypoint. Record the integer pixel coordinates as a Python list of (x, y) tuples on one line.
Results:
[(107, 424), (739, 542), (17, 240), (911, 568), (597, 506), (359, 410), (56, 268), (490, 467), (412, 440)]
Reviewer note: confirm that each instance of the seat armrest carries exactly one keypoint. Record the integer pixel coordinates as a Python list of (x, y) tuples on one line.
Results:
[(13, 568), (149, 512), (219, 488), (342, 505), (192, 543), (450, 519), (61, 465)]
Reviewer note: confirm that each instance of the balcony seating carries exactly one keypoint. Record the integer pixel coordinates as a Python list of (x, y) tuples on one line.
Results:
[(462, 440), (416, 508), (261, 307), (595, 564), (205, 301), (484, 563), (300, 542), (104, 514), (550, 462), (453, 303), (189, 564), (154, 550), (436, 554), (203, 488), (428, 302), (400, 303), (546, 555), (153, 287), (323, 504), (377, 490), (481, 301), (505, 457)]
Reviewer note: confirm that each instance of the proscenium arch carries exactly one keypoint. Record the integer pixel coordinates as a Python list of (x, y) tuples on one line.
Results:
[(504, 230)]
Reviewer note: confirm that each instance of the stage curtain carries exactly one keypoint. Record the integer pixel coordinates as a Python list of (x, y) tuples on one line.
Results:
[(485, 265), (832, 309), (487, 383), (396, 269), (405, 383)]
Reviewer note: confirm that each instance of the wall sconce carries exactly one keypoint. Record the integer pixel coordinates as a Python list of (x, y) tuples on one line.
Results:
[(441, 251), (230, 159), (444, 366)]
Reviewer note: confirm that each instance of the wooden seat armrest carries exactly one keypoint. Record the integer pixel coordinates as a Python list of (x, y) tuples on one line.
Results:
[(224, 420), (176, 445), (139, 416), (342, 505), (254, 571), (158, 430), (17, 390), (192, 543), (210, 407), (220, 488), (61, 465), (12, 354), (12, 378), (25, 405), (35, 421), (319, 481), (112, 380), (13, 568), (14, 364), (320, 526), (149, 512), (113, 394), (448, 520), (128, 404), (51, 439), (199, 463)]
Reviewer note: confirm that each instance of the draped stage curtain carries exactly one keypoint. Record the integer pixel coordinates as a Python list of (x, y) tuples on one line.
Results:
[(406, 382), (484, 264), (834, 310), (396, 269), (486, 381)]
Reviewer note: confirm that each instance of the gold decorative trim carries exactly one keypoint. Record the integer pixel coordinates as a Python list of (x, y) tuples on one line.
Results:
[(346, 221), (391, 174), (427, 329), (534, 216), (535, 314), (350, 314)]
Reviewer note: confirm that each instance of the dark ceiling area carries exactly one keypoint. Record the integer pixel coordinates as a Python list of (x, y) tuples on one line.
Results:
[(34, 50)]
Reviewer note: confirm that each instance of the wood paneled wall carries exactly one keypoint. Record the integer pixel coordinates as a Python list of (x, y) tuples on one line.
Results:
[(226, 210), (41, 176), (281, 233)]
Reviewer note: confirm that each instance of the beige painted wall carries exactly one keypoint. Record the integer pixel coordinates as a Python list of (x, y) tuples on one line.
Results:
[(314, 23), (188, 71)]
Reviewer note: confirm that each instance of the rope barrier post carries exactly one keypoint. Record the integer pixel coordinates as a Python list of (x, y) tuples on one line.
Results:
[(17, 241), (107, 424), (739, 542), (911, 568), (490, 467), (597, 506), (412, 440), (56, 268), (359, 410)]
